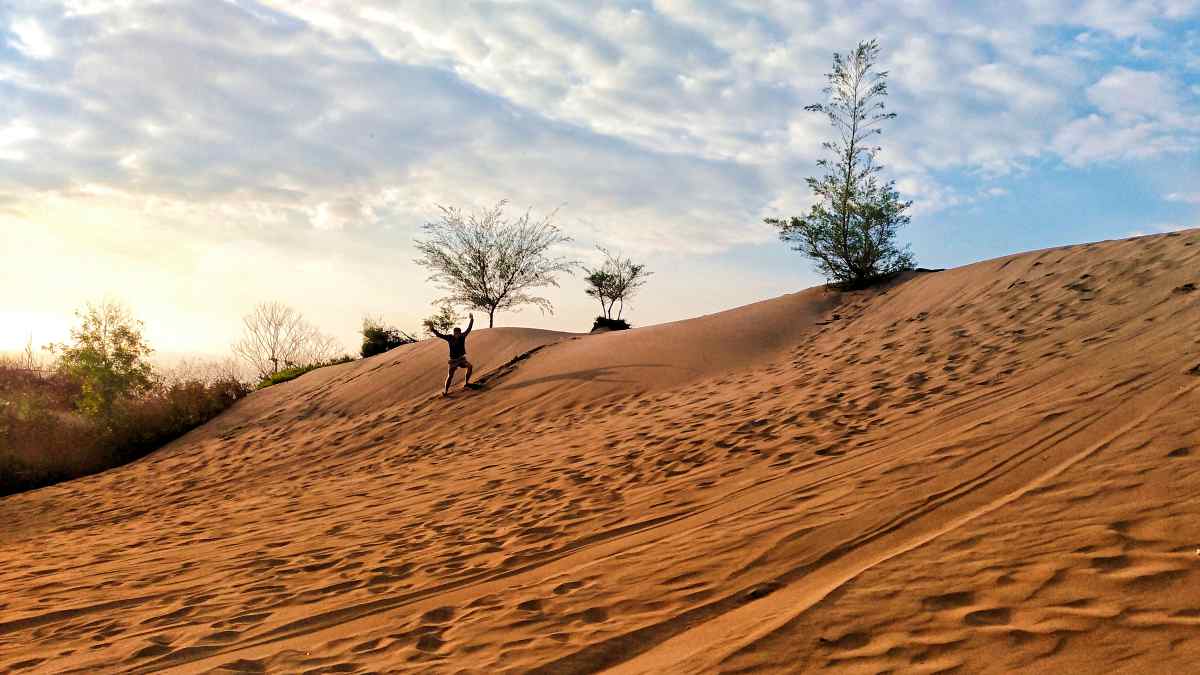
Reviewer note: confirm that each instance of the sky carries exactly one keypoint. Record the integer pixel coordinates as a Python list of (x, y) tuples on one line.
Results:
[(194, 158)]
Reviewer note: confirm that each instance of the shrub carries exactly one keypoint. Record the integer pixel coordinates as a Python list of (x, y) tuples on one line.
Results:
[(296, 371), (143, 425), (604, 323), (378, 338)]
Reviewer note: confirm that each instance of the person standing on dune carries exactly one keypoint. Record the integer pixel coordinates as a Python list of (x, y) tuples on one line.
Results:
[(458, 353)]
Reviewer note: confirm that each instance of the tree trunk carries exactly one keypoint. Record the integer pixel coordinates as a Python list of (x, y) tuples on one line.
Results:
[(491, 317)]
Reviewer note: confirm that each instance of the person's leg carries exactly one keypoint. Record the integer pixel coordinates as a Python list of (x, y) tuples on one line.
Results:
[(470, 369), (450, 376)]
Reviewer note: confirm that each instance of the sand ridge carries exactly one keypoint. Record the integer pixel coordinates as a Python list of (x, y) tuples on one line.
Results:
[(988, 468)]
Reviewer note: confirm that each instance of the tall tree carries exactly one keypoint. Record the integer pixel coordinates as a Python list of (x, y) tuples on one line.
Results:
[(615, 281), (107, 356), (850, 232), (486, 262), (275, 336)]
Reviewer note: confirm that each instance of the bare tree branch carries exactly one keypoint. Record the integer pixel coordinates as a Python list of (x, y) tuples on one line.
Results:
[(275, 336), (486, 262)]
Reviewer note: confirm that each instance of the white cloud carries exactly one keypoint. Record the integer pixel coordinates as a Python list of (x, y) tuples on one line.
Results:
[(1185, 197), (295, 99), (1097, 139), (1140, 114), (1136, 18), (31, 39), (13, 136), (1129, 95)]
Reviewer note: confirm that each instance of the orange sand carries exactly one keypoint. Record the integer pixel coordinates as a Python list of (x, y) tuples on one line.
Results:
[(994, 468)]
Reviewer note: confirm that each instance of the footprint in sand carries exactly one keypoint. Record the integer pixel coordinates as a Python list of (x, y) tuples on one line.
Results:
[(439, 615), (563, 589), (948, 600), (998, 616), (847, 642)]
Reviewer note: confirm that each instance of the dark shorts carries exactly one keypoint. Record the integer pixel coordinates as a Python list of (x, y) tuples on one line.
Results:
[(460, 362)]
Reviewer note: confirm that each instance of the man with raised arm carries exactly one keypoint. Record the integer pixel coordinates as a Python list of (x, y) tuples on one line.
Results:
[(458, 353)]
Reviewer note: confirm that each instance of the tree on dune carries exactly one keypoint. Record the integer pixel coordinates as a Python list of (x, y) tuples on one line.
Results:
[(484, 261), (850, 232), (615, 281)]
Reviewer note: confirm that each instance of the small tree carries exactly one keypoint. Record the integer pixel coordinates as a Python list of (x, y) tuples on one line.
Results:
[(850, 231), (107, 356), (614, 282), (275, 336), (444, 320), (486, 262), (378, 338)]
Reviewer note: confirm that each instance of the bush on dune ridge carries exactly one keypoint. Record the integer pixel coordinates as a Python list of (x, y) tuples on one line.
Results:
[(603, 323), (293, 372), (379, 337)]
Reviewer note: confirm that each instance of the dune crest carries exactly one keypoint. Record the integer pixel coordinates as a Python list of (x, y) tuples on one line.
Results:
[(991, 468)]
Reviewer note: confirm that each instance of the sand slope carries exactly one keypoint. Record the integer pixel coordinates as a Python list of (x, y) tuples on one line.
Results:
[(992, 468)]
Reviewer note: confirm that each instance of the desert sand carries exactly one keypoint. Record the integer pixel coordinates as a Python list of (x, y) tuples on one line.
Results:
[(989, 469)]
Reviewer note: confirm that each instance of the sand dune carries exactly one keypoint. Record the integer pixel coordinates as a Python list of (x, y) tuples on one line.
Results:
[(990, 469)]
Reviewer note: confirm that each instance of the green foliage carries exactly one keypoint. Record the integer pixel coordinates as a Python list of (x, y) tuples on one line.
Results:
[(293, 372), (487, 262), (444, 320), (378, 338), (850, 232), (617, 280), (108, 357)]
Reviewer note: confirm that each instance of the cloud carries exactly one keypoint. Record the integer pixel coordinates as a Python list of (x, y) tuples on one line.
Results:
[(13, 136), (1138, 18), (1130, 95), (30, 39), (1095, 139), (1185, 197), (631, 111), (1139, 114)]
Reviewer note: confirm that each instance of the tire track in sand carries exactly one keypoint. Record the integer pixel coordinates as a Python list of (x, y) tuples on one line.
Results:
[(692, 650)]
